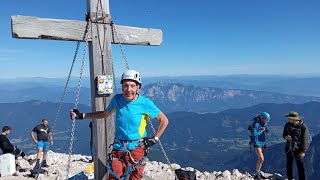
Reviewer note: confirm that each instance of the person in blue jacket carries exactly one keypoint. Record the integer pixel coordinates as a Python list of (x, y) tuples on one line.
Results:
[(259, 130)]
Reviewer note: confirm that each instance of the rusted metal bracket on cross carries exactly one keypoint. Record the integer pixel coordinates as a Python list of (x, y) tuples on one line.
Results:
[(99, 18)]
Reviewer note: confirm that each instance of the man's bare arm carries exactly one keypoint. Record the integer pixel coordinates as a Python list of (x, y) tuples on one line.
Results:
[(163, 124)]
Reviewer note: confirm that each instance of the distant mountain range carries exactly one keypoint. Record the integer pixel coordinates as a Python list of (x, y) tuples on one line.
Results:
[(172, 97), (293, 85), (169, 97), (308, 85), (43, 93), (275, 160)]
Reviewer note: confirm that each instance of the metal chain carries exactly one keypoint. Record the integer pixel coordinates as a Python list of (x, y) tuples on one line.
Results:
[(160, 144), (66, 86), (114, 32), (77, 101), (114, 78), (68, 78), (162, 148)]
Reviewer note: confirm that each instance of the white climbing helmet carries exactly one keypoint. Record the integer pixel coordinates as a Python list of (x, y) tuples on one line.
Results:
[(131, 75)]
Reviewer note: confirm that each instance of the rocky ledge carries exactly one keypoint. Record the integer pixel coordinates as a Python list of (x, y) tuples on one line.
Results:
[(153, 170)]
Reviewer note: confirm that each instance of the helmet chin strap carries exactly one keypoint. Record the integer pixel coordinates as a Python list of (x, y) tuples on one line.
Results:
[(135, 97)]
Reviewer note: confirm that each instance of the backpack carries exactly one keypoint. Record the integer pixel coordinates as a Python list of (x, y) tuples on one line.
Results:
[(185, 175), (310, 135), (36, 171), (250, 128)]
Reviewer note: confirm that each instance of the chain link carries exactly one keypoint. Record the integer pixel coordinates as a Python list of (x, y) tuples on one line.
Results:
[(160, 144), (66, 86), (114, 78), (77, 100), (114, 32), (162, 148)]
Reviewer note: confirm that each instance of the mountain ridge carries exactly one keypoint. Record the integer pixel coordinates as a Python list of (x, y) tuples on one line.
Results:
[(169, 97), (172, 97), (292, 85)]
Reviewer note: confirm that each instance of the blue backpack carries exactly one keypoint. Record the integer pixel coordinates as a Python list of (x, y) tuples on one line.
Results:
[(250, 128)]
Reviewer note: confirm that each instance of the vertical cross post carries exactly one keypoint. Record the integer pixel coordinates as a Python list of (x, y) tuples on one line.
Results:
[(100, 63)]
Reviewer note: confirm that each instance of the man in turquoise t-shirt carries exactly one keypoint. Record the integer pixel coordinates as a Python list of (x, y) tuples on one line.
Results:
[(132, 112)]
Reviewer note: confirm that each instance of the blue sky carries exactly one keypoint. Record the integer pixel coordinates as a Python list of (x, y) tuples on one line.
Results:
[(203, 37)]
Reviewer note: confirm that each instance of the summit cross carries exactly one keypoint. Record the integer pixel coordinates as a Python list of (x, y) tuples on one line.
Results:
[(99, 37)]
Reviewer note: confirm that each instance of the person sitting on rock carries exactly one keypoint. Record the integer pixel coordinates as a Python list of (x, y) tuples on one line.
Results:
[(7, 147)]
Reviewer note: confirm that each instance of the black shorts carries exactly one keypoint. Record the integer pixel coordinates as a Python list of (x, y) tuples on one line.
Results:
[(263, 147)]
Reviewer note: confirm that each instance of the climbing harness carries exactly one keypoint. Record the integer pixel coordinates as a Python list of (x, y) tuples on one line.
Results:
[(125, 153), (129, 171)]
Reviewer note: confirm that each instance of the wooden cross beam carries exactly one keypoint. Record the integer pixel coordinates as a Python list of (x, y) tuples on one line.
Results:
[(25, 27)]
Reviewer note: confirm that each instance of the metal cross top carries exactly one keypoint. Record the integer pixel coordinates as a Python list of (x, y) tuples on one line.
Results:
[(26, 27)]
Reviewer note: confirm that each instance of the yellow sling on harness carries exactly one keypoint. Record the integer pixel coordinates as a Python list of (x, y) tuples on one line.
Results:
[(89, 169)]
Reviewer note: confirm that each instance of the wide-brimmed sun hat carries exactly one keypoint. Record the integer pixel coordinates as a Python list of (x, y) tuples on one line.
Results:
[(294, 116)]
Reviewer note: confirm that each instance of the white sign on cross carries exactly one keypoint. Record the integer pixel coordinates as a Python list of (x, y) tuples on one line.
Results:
[(26, 27)]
